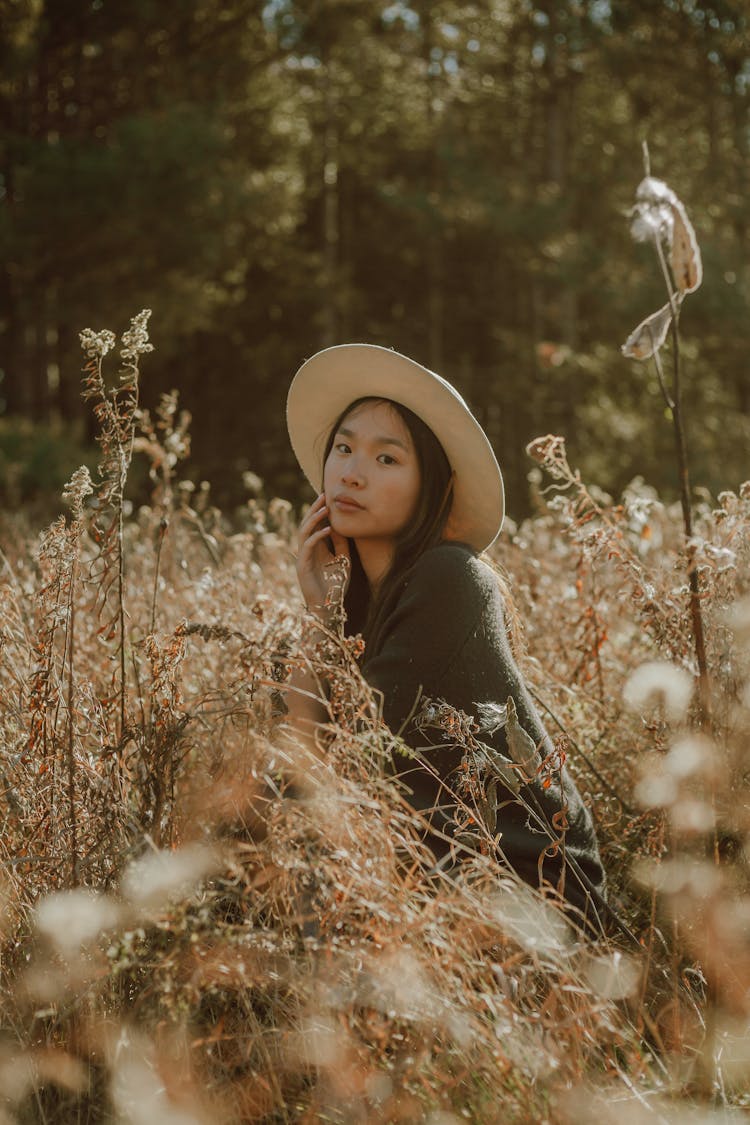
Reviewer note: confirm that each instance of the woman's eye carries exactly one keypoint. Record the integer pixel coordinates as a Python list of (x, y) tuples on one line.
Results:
[(386, 459), (342, 447)]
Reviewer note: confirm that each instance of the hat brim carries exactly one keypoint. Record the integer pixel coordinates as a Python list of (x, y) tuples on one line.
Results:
[(329, 381)]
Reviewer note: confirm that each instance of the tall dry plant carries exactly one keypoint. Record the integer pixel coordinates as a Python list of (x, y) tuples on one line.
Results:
[(206, 920), (116, 411), (660, 218), (690, 782)]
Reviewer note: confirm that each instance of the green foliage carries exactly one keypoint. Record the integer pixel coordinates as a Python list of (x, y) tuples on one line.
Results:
[(36, 459), (447, 179)]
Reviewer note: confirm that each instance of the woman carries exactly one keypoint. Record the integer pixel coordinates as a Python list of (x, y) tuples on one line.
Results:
[(412, 494)]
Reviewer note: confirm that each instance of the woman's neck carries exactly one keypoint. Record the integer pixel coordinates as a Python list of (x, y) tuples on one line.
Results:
[(376, 557)]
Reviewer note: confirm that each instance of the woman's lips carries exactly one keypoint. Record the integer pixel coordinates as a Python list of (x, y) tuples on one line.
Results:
[(346, 504)]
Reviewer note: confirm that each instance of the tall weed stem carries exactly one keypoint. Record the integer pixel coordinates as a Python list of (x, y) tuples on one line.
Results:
[(674, 405), (660, 217)]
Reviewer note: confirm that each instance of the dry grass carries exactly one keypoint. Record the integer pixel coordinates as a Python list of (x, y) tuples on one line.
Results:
[(204, 921)]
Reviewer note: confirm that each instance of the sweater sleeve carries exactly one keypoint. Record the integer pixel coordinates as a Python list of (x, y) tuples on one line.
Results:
[(439, 608)]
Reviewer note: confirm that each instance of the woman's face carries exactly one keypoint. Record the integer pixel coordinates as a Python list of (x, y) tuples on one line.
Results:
[(371, 477)]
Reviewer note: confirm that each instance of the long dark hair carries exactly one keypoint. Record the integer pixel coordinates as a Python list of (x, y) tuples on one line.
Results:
[(366, 614)]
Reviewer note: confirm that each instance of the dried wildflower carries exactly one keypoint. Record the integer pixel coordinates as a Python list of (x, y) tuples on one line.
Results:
[(135, 340), (142, 1090), (659, 683), (398, 984), (437, 999), (659, 214), (692, 817), (693, 755), (151, 881), (70, 919), (77, 489), (657, 789), (613, 976), (528, 920), (18, 1077), (737, 618), (337, 579), (677, 876), (550, 452), (97, 344), (652, 215), (252, 482), (491, 717)]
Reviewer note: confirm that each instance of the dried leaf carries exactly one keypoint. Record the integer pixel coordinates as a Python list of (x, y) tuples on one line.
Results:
[(487, 806), (521, 746), (685, 258), (504, 773), (649, 336)]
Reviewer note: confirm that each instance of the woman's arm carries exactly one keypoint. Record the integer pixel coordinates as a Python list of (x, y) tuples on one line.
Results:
[(304, 693)]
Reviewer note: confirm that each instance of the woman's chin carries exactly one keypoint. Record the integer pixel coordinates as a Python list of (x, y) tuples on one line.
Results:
[(343, 524)]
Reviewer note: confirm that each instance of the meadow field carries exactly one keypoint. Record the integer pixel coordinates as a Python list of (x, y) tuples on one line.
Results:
[(204, 920)]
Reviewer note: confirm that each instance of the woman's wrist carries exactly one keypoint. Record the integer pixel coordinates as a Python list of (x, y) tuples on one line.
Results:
[(321, 610)]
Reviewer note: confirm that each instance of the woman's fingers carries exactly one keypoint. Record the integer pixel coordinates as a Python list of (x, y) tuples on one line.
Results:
[(314, 508), (316, 537), (312, 517), (318, 509), (313, 555)]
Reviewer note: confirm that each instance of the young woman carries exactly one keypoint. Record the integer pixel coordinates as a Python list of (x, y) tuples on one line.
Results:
[(410, 490)]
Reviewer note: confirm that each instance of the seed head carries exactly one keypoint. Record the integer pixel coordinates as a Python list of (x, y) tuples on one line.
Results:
[(77, 489), (97, 344), (652, 215), (135, 340)]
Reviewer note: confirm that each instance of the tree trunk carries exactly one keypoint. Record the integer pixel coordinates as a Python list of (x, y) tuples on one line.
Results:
[(435, 286), (330, 209)]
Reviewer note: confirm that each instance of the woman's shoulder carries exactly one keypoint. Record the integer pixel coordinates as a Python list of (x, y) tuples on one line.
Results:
[(452, 568)]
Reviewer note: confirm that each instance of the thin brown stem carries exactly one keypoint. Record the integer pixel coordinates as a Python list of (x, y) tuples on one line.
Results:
[(72, 815), (674, 402), (121, 610), (662, 381), (163, 525), (582, 754)]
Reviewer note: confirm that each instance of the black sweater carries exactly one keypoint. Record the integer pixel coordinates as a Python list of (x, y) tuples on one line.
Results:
[(444, 638)]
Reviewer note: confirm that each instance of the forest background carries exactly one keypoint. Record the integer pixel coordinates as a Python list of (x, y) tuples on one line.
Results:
[(450, 179)]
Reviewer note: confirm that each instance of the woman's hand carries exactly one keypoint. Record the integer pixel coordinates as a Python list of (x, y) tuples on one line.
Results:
[(314, 554)]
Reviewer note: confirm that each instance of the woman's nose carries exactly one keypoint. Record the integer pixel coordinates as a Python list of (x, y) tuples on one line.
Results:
[(352, 476)]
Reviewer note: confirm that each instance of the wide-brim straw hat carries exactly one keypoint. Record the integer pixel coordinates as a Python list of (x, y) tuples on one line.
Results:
[(328, 382)]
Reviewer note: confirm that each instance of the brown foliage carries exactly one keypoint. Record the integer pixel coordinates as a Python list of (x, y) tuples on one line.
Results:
[(206, 921)]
